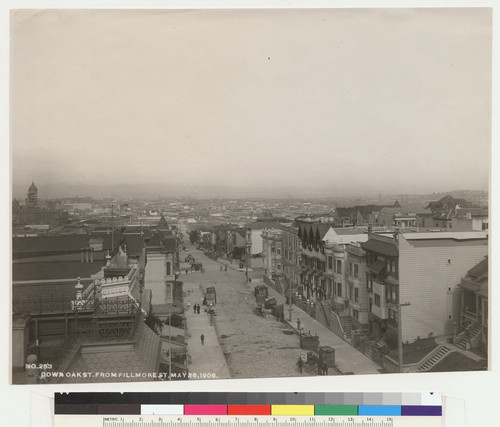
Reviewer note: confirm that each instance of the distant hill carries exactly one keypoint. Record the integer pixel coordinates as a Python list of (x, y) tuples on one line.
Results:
[(341, 197), (475, 196)]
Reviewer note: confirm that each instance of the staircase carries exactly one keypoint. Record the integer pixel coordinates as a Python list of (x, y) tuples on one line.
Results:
[(346, 326), (434, 358), (369, 352), (464, 341), (327, 320)]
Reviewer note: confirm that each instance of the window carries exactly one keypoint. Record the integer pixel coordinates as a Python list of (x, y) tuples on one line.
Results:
[(339, 289), (330, 263), (356, 295), (369, 283), (339, 267), (169, 269), (279, 266), (350, 269), (278, 251), (272, 249), (356, 271), (377, 300), (355, 314)]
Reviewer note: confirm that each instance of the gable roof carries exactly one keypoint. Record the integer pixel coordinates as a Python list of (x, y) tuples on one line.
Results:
[(170, 244), (162, 224), (135, 244), (480, 269), (156, 240), (382, 247), (314, 230)]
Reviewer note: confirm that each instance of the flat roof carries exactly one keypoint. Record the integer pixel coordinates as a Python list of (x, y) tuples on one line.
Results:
[(455, 235)]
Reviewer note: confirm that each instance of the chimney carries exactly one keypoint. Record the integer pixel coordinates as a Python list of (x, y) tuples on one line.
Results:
[(108, 258), (369, 231)]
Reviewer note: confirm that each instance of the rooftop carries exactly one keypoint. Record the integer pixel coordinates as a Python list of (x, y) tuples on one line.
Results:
[(453, 235), (382, 247), (55, 270)]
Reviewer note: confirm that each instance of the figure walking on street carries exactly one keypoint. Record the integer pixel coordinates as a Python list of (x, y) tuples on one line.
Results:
[(202, 339)]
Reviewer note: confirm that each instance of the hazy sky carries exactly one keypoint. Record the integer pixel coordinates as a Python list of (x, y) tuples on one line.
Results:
[(384, 100)]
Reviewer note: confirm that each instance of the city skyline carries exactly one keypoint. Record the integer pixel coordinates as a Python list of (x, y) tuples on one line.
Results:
[(292, 99), (151, 192)]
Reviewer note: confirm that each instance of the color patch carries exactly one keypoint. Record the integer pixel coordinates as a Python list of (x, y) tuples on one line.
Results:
[(249, 410), (422, 411), (336, 410), (292, 410), (205, 409), (119, 409), (379, 410), (162, 409)]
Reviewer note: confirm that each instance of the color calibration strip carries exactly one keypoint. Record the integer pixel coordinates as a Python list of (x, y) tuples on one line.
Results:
[(219, 404)]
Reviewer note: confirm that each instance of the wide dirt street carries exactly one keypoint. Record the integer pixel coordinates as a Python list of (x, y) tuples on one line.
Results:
[(254, 346)]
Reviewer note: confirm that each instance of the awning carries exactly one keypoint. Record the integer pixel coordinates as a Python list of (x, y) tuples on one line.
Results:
[(377, 267)]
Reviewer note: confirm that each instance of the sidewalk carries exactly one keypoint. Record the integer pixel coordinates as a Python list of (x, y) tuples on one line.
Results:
[(347, 358), (206, 359)]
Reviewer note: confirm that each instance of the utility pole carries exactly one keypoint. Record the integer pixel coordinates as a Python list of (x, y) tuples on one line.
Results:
[(169, 344), (290, 301), (248, 247), (112, 230), (400, 335)]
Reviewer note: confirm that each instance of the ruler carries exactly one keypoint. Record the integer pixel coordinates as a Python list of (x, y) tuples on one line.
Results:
[(242, 421)]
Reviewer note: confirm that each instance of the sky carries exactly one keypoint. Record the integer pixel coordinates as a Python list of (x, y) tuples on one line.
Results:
[(361, 100)]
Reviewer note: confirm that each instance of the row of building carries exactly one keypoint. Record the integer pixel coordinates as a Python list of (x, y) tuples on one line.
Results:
[(373, 283), (357, 280), (87, 296)]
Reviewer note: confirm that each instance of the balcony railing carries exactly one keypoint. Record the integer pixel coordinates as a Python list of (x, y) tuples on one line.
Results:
[(52, 305)]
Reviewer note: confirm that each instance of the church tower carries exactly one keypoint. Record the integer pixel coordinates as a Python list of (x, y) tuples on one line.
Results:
[(32, 195)]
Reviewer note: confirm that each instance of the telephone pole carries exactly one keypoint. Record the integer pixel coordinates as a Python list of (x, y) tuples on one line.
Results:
[(112, 229), (248, 248)]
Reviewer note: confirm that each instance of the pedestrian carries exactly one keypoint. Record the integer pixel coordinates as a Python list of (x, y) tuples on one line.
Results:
[(225, 268), (194, 308), (202, 339), (189, 303), (298, 324), (198, 309)]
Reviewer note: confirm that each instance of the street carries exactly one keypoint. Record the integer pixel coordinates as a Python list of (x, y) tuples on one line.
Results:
[(253, 346)]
